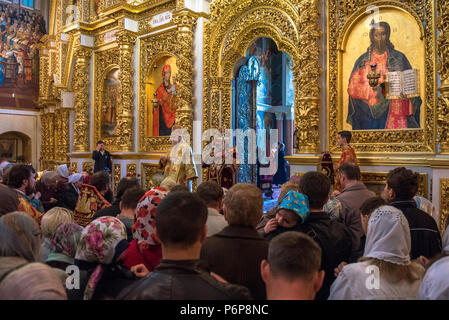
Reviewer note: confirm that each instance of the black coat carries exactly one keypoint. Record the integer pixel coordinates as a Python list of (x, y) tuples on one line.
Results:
[(425, 236), (102, 161), (235, 254), (68, 198), (333, 237), (111, 211), (182, 280)]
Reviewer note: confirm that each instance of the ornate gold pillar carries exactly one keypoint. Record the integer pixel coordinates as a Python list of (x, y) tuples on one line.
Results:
[(51, 137), (63, 135), (307, 79), (443, 70), (126, 41), (184, 48), (80, 86), (215, 104), (226, 102)]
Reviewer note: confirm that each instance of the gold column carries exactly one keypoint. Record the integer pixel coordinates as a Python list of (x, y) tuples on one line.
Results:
[(64, 133), (184, 47), (443, 70), (126, 41), (444, 203), (44, 138), (51, 137), (58, 135), (215, 104), (307, 79), (226, 102), (81, 88)]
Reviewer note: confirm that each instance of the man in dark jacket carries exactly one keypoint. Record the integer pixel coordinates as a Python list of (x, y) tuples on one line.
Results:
[(333, 236), (102, 158), (181, 227), (401, 187), (235, 253)]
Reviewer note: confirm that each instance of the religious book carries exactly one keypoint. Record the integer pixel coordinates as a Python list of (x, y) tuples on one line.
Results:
[(402, 84)]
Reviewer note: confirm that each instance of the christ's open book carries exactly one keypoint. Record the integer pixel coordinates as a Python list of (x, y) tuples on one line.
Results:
[(402, 82)]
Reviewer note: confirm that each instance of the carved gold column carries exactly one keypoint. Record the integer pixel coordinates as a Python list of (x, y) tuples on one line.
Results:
[(443, 70), (44, 137), (126, 41), (307, 79), (64, 142), (51, 137), (58, 136), (226, 102), (444, 203), (215, 104), (184, 83), (80, 86)]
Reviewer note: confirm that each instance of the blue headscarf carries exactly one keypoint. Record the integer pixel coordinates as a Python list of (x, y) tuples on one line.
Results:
[(296, 202)]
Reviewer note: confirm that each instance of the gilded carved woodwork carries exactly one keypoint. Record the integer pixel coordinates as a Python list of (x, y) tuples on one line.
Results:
[(74, 167), (126, 41), (233, 26), (88, 166), (444, 203), (117, 175), (131, 170), (443, 71), (380, 178), (80, 86), (148, 170), (340, 17)]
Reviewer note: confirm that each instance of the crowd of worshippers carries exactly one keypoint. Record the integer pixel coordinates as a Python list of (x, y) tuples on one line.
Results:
[(169, 243)]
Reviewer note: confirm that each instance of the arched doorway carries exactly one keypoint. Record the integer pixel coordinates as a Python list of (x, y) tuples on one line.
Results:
[(15, 147), (263, 99)]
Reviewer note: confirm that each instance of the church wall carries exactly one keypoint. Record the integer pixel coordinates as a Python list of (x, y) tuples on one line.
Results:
[(26, 122)]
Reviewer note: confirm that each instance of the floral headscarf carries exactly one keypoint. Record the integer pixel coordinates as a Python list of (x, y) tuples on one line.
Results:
[(64, 242), (144, 222), (101, 243)]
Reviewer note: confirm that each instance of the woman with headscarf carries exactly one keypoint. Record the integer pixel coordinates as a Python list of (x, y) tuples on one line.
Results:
[(63, 247), (47, 186), (50, 222), (385, 271), (20, 236), (33, 281), (69, 196), (20, 277), (435, 285), (145, 248), (99, 255), (9, 201)]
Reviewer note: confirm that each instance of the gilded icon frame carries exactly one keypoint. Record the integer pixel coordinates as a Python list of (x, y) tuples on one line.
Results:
[(411, 141)]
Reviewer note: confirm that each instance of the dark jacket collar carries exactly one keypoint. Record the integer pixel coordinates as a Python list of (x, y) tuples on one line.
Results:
[(403, 203), (190, 266), (239, 232)]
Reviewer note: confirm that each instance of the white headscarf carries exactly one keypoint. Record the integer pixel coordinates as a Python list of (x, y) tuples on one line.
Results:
[(75, 177), (446, 241), (63, 171), (388, 237), (435, 284)]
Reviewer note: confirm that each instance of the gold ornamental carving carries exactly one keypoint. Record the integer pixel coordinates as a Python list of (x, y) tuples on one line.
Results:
[(233, 26), (341, 16), (131, 170), (443, 71), (444, 203), (126, 41), (117, 175), (88, 166), (74, 167), (148, 170), (379, 179), (80, 86)]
